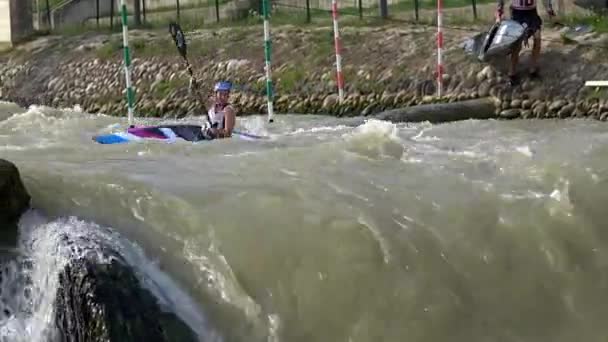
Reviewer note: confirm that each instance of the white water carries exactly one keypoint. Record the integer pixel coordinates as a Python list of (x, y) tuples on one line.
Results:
[(29, 283), (471, 231)]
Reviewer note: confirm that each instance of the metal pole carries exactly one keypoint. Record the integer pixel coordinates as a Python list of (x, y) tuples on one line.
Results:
[(217, 10), (474, 4), (308, 19), (127, 57), (334, 11), (383, 9), (439, 47), (267, 56), (111, 15), (143, 7), (48, 14)]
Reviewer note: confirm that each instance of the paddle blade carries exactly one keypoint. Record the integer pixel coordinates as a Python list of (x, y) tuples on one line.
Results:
[(179, 38)]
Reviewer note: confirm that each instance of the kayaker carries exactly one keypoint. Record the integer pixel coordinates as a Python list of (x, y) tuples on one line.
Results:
[(222, 114)]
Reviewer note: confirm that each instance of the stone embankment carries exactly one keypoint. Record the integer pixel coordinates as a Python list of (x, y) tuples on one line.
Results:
[(385, 68)]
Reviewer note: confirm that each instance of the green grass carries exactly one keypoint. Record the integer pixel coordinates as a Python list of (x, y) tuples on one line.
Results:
[(599, 23), (110, 49), (146, 48), (290, 78), (164, 87), (322, 45), (409, 5), (596, 93)]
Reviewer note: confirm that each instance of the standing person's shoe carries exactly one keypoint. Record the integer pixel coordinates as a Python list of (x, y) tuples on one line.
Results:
[(534, 73)]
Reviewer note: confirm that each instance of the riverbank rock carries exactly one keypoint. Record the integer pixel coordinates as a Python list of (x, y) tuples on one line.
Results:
[(93, 77), (14, 198), (443, 112), (105, 302)]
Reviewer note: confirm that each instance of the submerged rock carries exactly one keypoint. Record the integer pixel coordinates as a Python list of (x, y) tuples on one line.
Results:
[(14, 198), (105, 302)]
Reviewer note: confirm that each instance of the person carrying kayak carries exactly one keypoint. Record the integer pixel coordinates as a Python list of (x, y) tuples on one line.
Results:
[(525, 12)]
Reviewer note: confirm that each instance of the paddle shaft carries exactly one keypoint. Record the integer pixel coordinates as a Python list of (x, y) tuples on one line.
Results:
[(180, 42)]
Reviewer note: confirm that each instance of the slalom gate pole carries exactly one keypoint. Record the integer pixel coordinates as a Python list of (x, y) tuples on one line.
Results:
[(127, 59), (439, 47), (337, 45), (267, 57)]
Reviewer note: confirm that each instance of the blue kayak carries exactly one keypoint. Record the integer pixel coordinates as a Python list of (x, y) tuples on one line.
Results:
[(169, 133)]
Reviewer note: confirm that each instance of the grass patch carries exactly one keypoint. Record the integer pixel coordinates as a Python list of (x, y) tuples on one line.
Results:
[(147, 48), (289, 79), (322, 45), (109, 49), (596, 93), (164, 87), (598, 22)]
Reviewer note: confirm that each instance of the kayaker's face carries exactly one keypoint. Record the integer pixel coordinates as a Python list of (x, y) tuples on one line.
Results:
[(222, 96)]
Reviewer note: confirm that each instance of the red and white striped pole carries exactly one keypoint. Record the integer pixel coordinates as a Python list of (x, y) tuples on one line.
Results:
[(334, 12), (439, 47)]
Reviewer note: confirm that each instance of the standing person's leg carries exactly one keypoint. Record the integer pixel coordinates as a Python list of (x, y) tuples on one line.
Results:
[(520, 17), (536, 24), (514, 61), (533, 23)]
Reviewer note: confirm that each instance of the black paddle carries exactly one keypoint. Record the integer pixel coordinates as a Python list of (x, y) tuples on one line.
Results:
[(180, 42)]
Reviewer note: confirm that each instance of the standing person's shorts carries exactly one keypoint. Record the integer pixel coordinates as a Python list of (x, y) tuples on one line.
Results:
[(528, 17)]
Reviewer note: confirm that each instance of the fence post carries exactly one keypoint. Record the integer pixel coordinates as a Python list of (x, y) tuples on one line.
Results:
[(383, 9), (111, 15), (143, 7), (416, 8), (308, 19), (361, 9), (474, 4), (177, 5), (217, 10), (48, 14)]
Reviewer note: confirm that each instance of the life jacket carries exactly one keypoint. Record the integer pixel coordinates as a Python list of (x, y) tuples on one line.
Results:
[(216, 115)]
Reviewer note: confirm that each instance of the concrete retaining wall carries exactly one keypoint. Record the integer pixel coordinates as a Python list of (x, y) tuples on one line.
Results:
[(15, 21)]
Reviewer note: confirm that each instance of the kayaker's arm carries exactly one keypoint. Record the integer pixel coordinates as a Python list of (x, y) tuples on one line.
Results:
[(230, 117)]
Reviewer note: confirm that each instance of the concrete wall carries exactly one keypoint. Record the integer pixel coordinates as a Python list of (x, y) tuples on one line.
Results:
[(15, 21), (5, 23), (22, 25)]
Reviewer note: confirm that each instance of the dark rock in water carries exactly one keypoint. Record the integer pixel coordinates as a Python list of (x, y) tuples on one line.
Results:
[(105, 302), (444, 112), (14, 198), (510, 113)]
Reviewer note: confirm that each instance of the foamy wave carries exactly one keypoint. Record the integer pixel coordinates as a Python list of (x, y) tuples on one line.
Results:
[(29, 284), (375, 139), (319, 129)]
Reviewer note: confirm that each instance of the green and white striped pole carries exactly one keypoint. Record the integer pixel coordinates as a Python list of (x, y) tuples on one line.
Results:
[(267, 54), (127, 58)]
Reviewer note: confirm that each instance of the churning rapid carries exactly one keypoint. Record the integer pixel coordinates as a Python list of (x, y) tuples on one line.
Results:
[(330, 231)]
